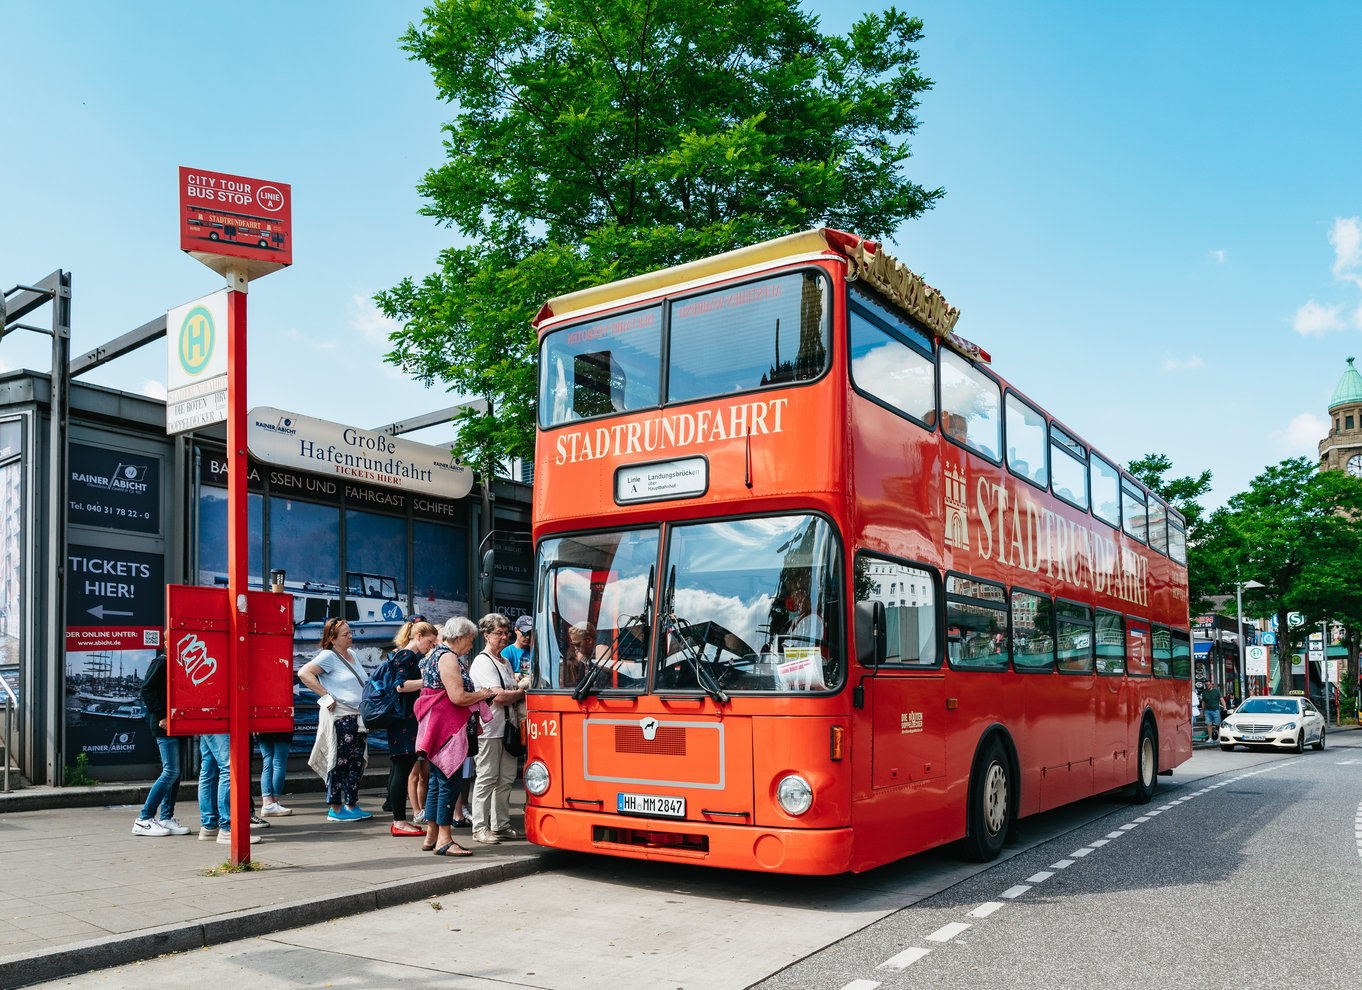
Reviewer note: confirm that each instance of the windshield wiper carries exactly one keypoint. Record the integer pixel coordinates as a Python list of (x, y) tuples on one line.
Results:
[(703, 677), (612, 660)]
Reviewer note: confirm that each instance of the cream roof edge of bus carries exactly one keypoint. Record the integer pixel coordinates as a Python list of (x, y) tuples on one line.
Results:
[(865, 260), (804, 242)]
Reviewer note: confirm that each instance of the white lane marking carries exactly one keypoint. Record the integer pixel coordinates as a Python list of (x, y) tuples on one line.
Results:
[(1013, 892), (1153, 814), (1062, 864), (1040, 877), (1142, 819), (1115, 835), (861, 985), (1080, 853), (903, 960), (1098, 843), (1129, 825), (985, 909), (947, 932)]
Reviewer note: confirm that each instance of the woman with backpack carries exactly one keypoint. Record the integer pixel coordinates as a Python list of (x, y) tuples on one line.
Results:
[(414, 641)]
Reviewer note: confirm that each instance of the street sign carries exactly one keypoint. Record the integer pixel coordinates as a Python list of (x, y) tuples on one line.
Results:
[(1255, 661), (232, 223), (1295, 619), (1316, 641), (196, 364), (1269, 639), (1316, 656)]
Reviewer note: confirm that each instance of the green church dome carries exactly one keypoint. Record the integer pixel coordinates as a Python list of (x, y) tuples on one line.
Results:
[(1349, 390)]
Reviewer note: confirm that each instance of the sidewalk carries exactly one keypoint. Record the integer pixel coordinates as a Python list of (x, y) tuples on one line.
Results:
[(79, 892)]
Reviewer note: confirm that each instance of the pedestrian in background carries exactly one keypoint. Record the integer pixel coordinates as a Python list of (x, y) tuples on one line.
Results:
[(164, 788), (495, 767), (341, 749), (215, 789), (417, 639), (519, 654), (274, 750)]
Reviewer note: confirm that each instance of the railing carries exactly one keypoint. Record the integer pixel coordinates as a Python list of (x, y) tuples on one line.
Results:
[(11, 705)]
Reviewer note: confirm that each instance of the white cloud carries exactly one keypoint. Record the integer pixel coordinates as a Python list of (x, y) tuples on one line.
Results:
[(1346, 238), (1193, 363), (153, 389), (1301, 436), (369, 322), (1312, 318), (1219, 256)]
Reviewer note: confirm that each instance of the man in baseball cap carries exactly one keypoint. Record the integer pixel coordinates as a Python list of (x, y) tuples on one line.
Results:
[(518, 653)]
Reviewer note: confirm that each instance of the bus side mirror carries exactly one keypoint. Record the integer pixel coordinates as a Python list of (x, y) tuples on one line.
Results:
[(485, 575), (870, 641)]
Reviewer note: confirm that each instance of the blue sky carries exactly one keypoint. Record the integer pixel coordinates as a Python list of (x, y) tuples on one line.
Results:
[(1150, 221)]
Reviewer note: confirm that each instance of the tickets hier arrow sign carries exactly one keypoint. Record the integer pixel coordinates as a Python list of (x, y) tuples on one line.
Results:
[(99, 611)]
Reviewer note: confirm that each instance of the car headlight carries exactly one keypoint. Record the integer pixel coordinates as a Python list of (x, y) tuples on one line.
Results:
[(1285, 728), (794, 794), (536, 778)]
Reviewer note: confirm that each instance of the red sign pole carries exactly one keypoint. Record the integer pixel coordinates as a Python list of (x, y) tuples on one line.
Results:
[(238, 570)]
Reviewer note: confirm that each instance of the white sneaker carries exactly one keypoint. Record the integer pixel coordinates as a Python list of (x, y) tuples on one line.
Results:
[(172, 825), (208, 834), (149, 826), (276, 810), (225, 837)]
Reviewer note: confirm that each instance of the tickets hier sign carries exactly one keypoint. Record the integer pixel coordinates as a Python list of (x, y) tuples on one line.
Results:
[(198, 630), (231, 222)]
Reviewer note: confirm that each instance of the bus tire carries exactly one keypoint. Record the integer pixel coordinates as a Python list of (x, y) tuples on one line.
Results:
[(1146, 765), (989, 817)]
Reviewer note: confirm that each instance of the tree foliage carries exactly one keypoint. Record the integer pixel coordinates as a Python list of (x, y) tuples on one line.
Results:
[(592, 141), (1298, 532)]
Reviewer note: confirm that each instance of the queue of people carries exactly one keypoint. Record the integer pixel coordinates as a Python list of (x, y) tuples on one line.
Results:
[(449, 765)]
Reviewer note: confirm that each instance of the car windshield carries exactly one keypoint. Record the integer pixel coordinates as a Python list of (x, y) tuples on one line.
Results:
[(1270, 706)]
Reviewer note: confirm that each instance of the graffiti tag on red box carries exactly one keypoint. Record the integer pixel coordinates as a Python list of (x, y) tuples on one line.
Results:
[(235, 216)]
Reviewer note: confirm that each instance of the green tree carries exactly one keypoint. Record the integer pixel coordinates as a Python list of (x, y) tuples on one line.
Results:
[(1297, 531), (592, 141), (1184, 494)]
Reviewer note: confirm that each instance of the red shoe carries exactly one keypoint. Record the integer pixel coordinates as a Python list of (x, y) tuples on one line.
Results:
[(396, 829)]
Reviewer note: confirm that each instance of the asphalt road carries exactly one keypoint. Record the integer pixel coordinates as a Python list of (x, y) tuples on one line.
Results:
[(1245, 868)]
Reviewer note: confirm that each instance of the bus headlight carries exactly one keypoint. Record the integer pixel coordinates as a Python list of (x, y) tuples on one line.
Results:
[(536, 778), (793, 792)]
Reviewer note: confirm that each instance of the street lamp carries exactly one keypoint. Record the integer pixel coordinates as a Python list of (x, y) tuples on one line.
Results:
[(1239, 587)]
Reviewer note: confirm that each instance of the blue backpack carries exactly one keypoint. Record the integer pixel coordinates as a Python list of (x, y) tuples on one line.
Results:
[(379, 705)]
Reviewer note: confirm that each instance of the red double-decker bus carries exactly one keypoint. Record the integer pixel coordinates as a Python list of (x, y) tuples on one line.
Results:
[(816, 588), (236, 228)]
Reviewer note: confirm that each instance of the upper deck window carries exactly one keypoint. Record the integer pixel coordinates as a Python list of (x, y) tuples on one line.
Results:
[(1026, 440), (748, 336), (970, 406), (608, 365), (891, 359)]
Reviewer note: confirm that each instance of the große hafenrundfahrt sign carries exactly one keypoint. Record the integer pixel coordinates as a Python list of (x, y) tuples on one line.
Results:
[(300, 442)]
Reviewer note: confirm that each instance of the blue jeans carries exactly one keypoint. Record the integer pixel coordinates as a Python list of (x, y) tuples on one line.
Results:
[(275, 757), (164, 787), (1212, 716), (215, 781), (440, 794)]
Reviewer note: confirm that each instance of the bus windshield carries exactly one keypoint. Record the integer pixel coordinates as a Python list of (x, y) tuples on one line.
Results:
[(754, 604), (746, 605)]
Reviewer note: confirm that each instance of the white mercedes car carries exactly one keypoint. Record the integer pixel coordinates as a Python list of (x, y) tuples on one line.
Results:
[(1274, 722)]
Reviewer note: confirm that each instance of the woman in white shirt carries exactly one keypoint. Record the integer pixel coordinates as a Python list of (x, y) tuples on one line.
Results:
[(336, 676), (495, 767)]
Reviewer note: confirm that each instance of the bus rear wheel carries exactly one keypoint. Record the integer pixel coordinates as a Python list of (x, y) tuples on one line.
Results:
[(1146, 766), (990, 804)]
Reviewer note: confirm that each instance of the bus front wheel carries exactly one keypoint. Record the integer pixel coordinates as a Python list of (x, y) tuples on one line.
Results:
[(1147, 766), (990, 804)]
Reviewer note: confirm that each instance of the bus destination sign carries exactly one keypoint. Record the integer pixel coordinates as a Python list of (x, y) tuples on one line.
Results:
[(226, 220)]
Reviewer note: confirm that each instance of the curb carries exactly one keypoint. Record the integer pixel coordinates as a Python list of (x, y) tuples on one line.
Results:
[(118, 950)]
